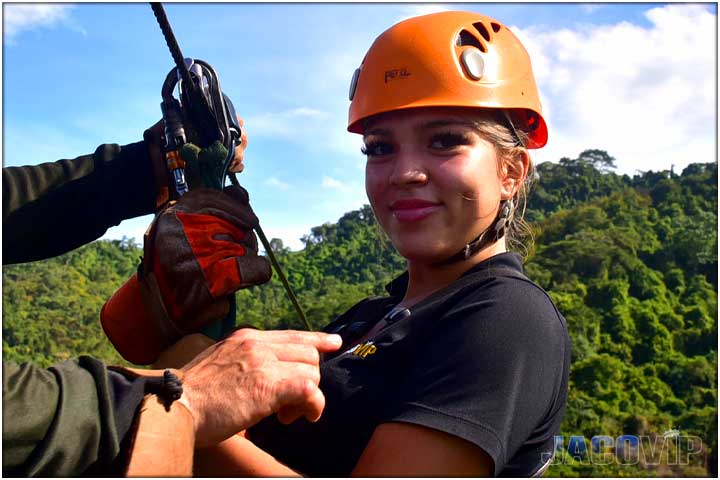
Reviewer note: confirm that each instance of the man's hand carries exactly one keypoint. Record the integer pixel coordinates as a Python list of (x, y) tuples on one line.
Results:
[(183, 351), (252, 374), (155, 139), (237, 165)]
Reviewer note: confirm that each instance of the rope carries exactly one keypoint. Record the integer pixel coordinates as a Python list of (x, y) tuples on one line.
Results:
[(172, 44)]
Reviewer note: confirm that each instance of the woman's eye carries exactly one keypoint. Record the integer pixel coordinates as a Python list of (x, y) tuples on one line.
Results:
[(447, 141), (375, 149)]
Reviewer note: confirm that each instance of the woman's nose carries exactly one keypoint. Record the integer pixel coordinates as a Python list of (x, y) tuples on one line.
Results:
[(408, 169)]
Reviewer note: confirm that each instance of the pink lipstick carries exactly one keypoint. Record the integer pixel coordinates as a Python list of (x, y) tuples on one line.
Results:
[(413, 210)]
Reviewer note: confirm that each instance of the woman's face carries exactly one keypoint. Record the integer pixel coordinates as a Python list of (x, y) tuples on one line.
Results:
[(432, 180)]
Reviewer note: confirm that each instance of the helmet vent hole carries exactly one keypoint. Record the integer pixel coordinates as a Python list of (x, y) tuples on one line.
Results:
[(480, 27), (467, 38), (495, 26)]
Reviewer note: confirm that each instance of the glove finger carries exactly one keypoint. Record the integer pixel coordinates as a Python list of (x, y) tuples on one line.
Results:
[(204, 200), (231, 274), (226, 245), (208, 234), (249, 242), (223, 277), (238, 193), (183, 259), (213, 202), (254, 270)]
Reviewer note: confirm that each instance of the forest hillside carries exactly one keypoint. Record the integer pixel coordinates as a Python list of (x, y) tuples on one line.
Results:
[(631, 262)]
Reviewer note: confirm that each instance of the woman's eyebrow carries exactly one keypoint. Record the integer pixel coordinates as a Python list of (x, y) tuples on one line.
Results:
[(424, 126), (376, 131), (445, 123)]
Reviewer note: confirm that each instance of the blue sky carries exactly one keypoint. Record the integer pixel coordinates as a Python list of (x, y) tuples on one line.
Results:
[(637, 80)]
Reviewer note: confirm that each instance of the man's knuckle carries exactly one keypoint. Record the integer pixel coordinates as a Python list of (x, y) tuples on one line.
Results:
[(308, 387), (291, 336), (256, 360), (320, 338), (240, 335), (314, 356), (314, 376)]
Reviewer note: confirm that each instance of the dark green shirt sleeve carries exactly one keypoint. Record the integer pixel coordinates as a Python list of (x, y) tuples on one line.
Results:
[(67, 420), (52, 208), (72, 418)]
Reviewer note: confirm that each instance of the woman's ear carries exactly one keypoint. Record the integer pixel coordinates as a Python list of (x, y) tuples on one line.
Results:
[(514, 171)]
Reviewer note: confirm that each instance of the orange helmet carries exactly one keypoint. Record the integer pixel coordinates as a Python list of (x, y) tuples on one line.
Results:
[(448, 59)]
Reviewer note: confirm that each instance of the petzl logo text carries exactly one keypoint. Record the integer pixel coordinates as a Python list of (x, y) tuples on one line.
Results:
[(396, 73)]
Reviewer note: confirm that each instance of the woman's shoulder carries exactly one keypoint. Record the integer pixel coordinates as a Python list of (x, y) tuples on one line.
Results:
[(503, 308), (506, 321), (499, 289)]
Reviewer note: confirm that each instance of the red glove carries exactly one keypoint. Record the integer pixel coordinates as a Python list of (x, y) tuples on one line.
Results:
[(197, 252)]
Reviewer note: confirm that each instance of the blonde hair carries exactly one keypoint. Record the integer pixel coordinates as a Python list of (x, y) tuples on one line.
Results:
[(509, 143)]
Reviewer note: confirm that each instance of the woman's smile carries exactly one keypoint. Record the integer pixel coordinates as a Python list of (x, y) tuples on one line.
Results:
[(413, 209), (432, 180)]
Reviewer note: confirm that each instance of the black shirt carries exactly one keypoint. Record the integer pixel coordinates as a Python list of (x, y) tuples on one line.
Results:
[(486, 359)]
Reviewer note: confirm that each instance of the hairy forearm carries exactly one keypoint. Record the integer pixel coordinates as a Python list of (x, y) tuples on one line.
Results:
[(163, 442), (239, 457)]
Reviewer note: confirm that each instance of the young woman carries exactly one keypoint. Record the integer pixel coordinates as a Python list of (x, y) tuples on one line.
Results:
[(462, 369)]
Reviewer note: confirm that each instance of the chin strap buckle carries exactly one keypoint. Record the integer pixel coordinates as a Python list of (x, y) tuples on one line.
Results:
[(502, 221)]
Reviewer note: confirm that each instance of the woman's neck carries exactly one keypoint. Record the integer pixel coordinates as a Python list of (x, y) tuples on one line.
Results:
[(427, 278)]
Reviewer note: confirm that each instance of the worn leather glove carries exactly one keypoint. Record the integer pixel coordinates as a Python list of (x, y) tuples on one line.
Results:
[(197, 252)]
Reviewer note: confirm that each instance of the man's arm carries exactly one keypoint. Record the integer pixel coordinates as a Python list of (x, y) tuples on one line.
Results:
[(79, 417), (63, 420), (227, 388), (52, 208)]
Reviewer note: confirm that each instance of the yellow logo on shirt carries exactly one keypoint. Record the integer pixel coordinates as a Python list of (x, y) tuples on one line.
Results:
[(363, 349)]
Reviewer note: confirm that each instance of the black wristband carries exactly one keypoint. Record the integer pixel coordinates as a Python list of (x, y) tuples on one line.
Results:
[(168, 388)]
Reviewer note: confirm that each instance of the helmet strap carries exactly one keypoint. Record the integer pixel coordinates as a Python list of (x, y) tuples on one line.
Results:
[(489, 236)]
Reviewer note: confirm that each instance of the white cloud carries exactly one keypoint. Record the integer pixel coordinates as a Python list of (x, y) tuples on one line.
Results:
[(275, 183), (57, 143), (289, 234), (645, 94), (329, 182), (19, 17), (346, 196), (418, 10), (591, 7), (131, 228), (304, 112), (326, 129), (348, 143), (285, 123)]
